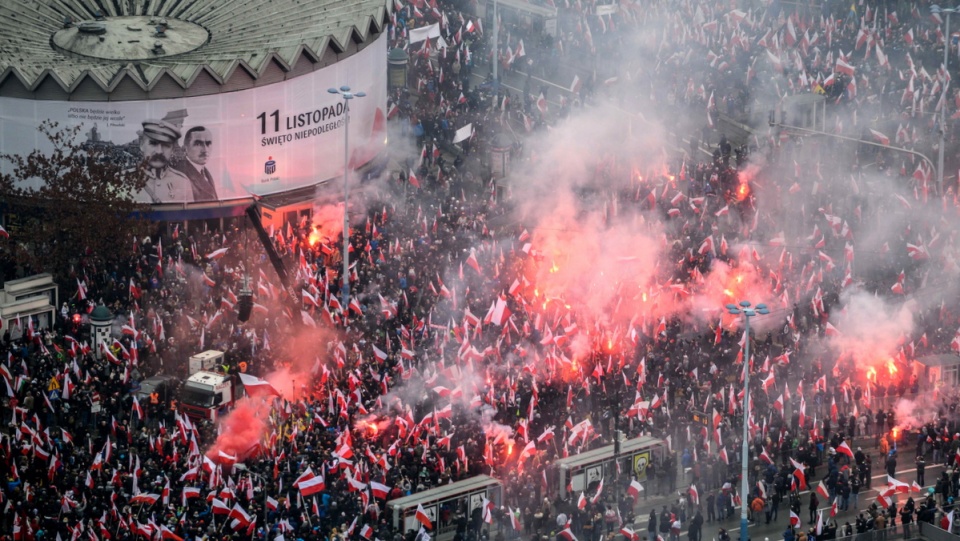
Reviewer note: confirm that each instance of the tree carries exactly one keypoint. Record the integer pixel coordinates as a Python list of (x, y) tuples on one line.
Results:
[(69, 208)]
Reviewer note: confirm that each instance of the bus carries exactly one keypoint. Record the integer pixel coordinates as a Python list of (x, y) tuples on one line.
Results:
[(443, 503), (579, 472), (520, 12)]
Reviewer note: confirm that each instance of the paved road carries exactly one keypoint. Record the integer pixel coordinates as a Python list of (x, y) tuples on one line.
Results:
[(774, 529)]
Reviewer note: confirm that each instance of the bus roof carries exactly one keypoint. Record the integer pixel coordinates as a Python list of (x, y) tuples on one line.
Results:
[(444, 492), (605, 452), (529, 8)]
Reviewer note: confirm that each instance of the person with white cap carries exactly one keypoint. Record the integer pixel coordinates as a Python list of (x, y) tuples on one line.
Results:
[(164, 183)]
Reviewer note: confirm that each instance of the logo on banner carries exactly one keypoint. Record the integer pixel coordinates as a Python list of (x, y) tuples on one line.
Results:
[(270, 167)]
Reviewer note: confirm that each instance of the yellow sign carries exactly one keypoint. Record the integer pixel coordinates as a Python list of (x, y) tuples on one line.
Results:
[(640, 461)]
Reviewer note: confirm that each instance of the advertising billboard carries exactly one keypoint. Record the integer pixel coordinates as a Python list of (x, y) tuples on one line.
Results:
[(260, 141)]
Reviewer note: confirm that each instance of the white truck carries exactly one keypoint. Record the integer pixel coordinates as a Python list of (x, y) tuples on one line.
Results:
[(206, 360), (207, 395)]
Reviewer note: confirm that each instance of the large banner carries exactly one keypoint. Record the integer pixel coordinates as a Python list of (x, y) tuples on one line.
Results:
[(259, 141)]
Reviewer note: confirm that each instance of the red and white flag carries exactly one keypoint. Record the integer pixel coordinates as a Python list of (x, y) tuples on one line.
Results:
[(822, 490), (312, 486), (380, 491), (422, 516), (257, 387), (217, 254), (843, 448)]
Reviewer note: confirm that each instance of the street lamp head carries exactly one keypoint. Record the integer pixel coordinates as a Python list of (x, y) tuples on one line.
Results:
[(763, 311), (333, 91), (733, 311), (344, 88), (347, 96), (761, 306), (749, 312), (935, 9), (360, 94), (731, 307), (744, 303)]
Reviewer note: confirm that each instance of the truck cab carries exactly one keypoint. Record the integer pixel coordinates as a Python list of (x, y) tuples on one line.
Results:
[(207, 395)]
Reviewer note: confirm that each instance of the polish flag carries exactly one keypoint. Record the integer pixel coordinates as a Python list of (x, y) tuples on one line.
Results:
[(237, 513), (843, 67), (147, 499), (500, 312), (635, 489), (843, 448), (137, 409), (794, 520), (413, 179), (542, 104), (831, 330), (575, 86), (706, 246), (898, 486), (257, 387), (822, 490), (513, 520), (312, 486), (472, 261), (217, 254), (881, 138), (423, 517), (220, 508), (379, 491), (166, 533)]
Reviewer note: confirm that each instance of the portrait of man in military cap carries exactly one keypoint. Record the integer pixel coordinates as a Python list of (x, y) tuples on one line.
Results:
[(158, 138)]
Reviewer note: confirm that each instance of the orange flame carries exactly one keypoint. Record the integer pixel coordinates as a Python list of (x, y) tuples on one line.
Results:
[(895, 432), (892, 368), (743, 191), (509, 449), (313, 238), (368, 428), (554, 268), (872, 374)]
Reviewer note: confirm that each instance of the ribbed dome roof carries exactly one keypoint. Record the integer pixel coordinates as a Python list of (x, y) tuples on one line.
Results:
[(240, 33)]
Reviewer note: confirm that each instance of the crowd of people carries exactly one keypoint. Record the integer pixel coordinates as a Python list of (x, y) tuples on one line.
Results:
[(449, 362)]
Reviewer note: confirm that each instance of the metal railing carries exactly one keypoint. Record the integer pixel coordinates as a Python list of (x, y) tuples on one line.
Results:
[(892, 533), (934, 533)]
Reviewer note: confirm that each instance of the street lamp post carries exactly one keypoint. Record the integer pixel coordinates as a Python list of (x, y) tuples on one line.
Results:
[(496, 42), (744, 308), (801, 131), (263, 481), (936, 9), (347, 95)]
